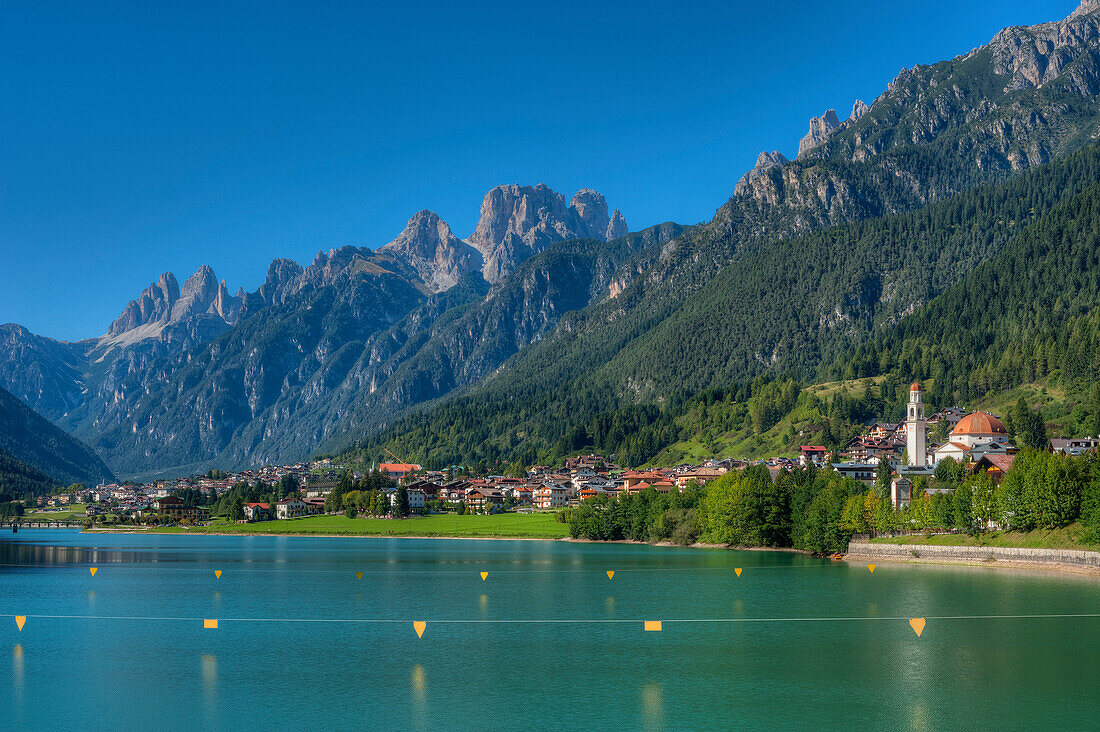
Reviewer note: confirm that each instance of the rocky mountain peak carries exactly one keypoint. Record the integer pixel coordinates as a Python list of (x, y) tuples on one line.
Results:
[(519, 221), (765, 161), (429, 246), (858, 110), (1033, 56), (164, 303), (820, 128), (616, 226), (1087, 7)]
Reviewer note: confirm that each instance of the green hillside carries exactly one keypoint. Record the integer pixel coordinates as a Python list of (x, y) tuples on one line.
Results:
[(984, 293), (53, 456)]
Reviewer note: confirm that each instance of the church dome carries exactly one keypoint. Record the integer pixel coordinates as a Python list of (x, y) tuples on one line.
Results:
[(979, 423), (915, 386)]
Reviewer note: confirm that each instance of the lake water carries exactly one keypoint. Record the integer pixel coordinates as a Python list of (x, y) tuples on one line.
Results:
[(117, 663)]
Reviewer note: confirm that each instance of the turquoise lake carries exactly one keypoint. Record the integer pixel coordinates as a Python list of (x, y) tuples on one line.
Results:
[(132, 652)]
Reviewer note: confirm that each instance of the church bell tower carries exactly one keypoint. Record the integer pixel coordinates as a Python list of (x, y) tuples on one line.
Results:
[(915, 428)]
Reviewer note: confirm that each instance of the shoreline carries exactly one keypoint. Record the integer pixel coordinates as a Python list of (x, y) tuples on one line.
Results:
[(851, 557), (1066, 561)]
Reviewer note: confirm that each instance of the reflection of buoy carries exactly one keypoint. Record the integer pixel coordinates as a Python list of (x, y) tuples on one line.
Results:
[(218, 573), (871, 567), (93, 570), (210, 623), (653, 625), (610, 574), (737, 571), (419, 626), (918, 625), (20, 620), (484, 575), (358, 575)]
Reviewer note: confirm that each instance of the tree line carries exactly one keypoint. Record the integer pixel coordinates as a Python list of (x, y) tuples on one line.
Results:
[(819, 510)]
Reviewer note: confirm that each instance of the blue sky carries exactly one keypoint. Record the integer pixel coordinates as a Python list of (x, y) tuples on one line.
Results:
[(138, 138)]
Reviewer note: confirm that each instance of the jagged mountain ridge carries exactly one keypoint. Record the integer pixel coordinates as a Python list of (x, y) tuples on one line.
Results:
[(936, 131), (193, 373), (300, 369)]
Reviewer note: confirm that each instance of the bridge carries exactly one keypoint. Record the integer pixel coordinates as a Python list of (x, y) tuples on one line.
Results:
[(16, 525)]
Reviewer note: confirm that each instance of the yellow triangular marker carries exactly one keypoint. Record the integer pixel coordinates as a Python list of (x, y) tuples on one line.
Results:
[(419, 626), (653, 625), (484, 575), (210, 623), (20, 620), (93, 570), (871, 567), (918, 625), (611, 574), (218, 573), (737, 571), (358, 575)]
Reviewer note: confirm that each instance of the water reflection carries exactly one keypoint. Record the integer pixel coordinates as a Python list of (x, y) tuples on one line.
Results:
[(17, 672), (483, 603), (609, 605), (217, 600), (210, 686), (91, 600), (419, 696), (653, 706)]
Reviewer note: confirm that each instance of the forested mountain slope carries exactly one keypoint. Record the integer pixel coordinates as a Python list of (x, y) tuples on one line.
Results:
[(1007, 274), (578, 320), (33, 440)]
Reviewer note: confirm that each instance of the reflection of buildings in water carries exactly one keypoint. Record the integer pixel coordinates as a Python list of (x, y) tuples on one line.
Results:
[(653, 706), (17, 668), (91, 599), (419, 688), (210, 683)]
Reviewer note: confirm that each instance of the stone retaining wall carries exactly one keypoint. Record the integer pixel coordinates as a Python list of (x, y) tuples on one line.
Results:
[(1070, 557)]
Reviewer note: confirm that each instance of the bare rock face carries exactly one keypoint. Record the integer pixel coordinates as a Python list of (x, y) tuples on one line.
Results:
[(765, 162), (858, 110), (519, 221), (439, 257), (154, 304), (279, 274), (820, 128), (164, 303), (616, 227), (1033, 56)]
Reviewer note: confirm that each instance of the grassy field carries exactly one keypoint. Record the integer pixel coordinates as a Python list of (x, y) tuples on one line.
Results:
[(1065, 538), (517, 525), (76, 512)]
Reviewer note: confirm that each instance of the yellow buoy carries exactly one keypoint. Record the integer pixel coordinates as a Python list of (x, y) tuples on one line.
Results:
[(93, 570), (653, 625), (611, 574), (419, 626), (218, 573), (737, 571), (210, 623), (484, 575), (20, 620), (918, 625), (358, 575), (871, 567)]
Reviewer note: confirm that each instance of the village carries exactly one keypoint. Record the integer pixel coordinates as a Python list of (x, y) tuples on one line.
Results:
[(977, 440)]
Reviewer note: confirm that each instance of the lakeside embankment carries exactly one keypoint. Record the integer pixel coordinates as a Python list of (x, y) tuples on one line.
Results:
[(1078, 561)]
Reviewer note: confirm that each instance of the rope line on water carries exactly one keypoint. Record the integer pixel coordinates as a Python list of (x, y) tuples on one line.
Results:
[(447, 569), (564, 621)]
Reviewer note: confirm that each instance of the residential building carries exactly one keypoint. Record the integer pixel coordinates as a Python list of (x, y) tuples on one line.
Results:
[(292, 508)]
